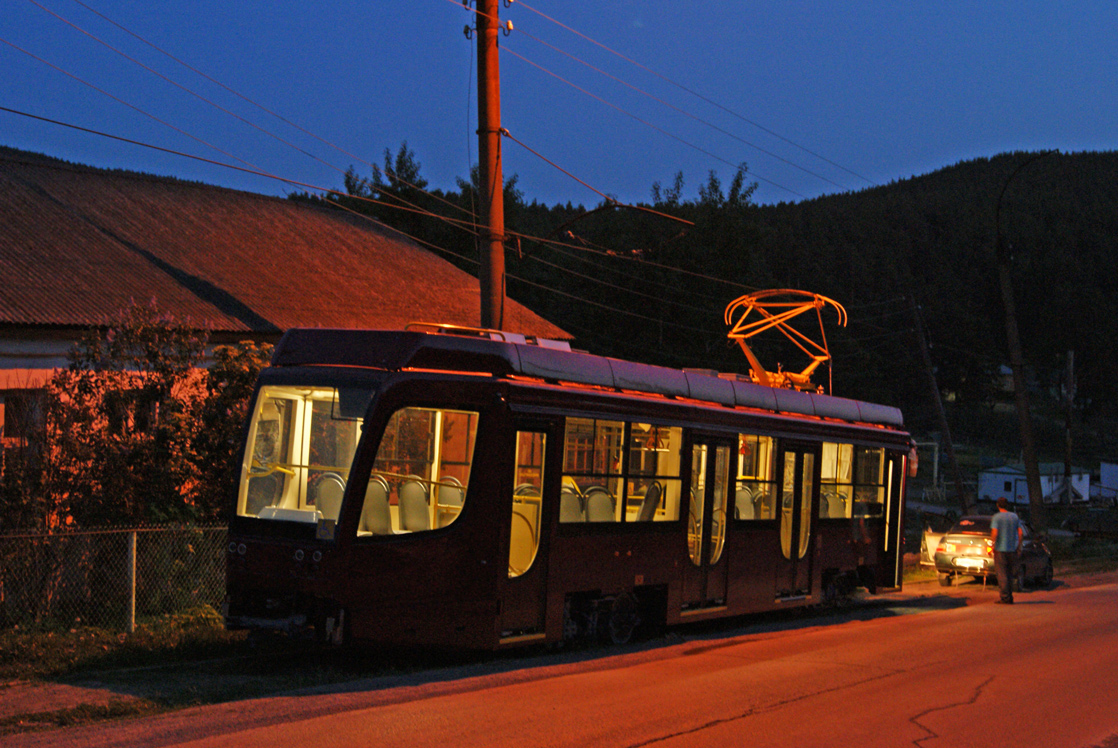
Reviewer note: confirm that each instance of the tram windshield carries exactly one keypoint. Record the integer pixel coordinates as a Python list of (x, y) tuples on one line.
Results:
[(300, 445)]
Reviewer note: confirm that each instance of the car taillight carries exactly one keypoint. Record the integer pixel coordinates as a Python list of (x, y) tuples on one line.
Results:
[(941, 548), (989, 547)]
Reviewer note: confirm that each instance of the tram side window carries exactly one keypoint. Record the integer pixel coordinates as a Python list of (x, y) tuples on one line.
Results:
[(592, 471), (421, 472), (654, 462), (869, 482), (755, 487), (836, 485), (301, 444)]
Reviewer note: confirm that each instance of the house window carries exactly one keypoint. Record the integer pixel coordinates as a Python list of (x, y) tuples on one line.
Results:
[(21, 415)]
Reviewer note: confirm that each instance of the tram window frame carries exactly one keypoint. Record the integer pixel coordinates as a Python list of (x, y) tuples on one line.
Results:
[(620, 459), (756, 472), (397, 466), (869, 482), (836, 482)]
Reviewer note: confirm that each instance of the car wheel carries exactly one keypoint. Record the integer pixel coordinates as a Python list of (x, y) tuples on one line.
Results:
[(944, 580)]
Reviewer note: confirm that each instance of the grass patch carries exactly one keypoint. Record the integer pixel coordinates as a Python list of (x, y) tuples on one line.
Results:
[(918, 574), (29, 653), (81, 714)]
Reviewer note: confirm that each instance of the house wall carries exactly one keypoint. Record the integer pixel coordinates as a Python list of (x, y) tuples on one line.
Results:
[(992, 485), (1013, 485)]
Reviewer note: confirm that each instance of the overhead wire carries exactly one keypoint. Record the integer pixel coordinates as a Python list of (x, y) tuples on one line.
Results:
[(336, 204), (306, 185), (559, 248), (641, 120), (606, 197), (256, 170), (646, 123), (464, 225), (682, 111), (614, 286), (692, 92), (376, 169), (397, 198), (125, 103), (181, 87), (641, 260)]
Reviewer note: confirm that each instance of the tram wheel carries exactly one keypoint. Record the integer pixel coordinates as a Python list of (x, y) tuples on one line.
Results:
[(624, 617)]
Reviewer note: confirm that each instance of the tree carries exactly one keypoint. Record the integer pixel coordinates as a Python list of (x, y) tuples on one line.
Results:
[(135, 431), (220, 420)]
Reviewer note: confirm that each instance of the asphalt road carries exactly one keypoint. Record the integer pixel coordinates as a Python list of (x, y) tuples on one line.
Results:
[(927, 670)]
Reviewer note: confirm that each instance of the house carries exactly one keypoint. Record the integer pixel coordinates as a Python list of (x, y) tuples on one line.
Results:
[(1010, 481), (1107, 490), (79, 244)]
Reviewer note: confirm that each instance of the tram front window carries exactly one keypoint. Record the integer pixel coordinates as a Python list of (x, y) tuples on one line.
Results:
[(301, 444)]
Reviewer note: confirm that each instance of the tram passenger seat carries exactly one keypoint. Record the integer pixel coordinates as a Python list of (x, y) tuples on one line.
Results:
[(599, 505), (328, 491), (415, 514), (743, 503), (570, 506), (450, 499), (375, 515), (650, 503)]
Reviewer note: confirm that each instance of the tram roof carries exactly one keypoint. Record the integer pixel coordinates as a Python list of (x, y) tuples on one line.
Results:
[(555, 362)]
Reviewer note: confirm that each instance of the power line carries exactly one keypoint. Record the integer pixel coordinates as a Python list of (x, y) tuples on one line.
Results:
[(182, 87), (125, 103), (646, 123), (463, 225), (257, 169), (606, 197), (376, 169), (327, 190), (694, 93), (683, 111)]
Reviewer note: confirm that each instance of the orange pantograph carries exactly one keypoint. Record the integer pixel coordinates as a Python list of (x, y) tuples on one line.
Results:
[(763, 310)]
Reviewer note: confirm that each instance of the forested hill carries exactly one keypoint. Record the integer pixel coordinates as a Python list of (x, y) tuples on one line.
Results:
[(933, 238), (634, 284)]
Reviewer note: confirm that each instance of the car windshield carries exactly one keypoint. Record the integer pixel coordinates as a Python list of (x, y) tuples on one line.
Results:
[(971, 526)]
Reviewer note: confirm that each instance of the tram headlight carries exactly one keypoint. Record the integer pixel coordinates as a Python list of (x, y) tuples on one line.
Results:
[(298, 554)]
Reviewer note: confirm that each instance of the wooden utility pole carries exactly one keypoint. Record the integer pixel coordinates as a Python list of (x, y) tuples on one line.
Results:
[(961, 495), (1069, 410), (1037, 516), (492, 274)]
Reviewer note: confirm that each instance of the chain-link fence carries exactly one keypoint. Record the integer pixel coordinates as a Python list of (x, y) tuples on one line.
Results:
[(108, 578)]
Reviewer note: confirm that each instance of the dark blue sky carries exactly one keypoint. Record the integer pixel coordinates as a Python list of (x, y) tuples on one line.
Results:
[(846, 94)]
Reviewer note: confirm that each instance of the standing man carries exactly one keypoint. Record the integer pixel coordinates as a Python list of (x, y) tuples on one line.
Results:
[(1005, 530)]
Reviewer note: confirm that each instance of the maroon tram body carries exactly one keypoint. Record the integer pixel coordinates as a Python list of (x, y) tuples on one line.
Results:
[(457, 490)]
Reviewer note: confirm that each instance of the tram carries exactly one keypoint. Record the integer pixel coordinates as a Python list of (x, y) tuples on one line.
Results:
[(459, 488)]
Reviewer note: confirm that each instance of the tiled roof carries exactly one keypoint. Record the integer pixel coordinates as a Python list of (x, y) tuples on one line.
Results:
[(78, 244)]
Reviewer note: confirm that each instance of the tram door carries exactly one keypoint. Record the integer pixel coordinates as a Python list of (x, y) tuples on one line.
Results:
[(704, 583), (524, 597), (799, 484)]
